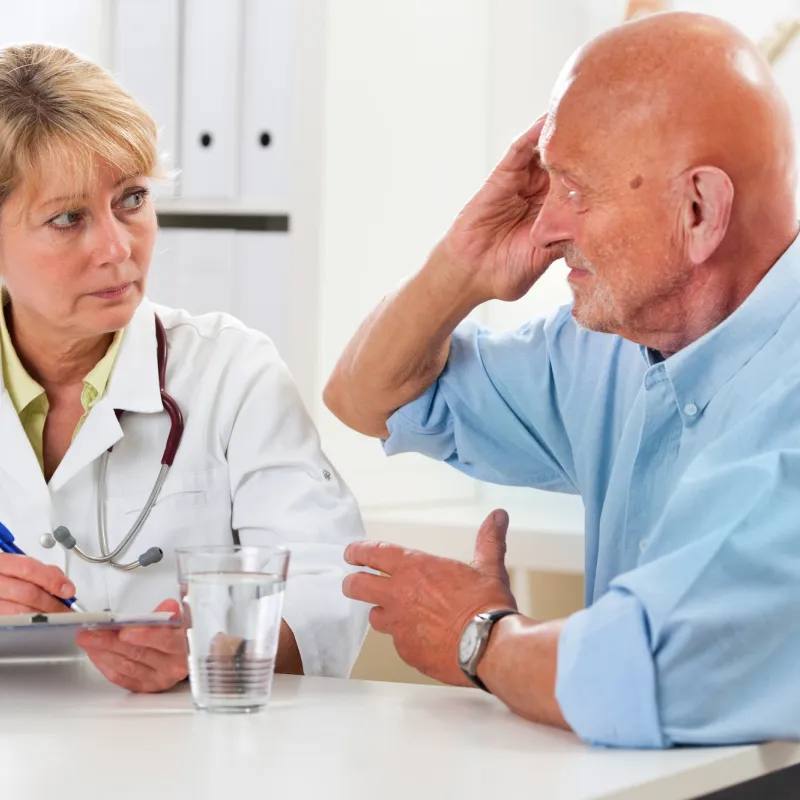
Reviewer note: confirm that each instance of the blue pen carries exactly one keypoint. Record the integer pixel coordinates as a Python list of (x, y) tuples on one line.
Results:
[(7, 546)]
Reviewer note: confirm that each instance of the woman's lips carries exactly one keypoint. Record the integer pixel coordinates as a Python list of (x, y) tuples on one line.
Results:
[(110, 294)]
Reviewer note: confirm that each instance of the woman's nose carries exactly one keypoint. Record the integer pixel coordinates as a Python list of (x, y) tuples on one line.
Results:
[(113, 242)]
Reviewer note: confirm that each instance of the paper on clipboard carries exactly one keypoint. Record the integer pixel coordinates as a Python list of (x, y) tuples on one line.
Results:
[(51, 637)]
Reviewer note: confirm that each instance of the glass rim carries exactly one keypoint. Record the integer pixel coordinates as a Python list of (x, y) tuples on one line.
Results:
[(231, 549)]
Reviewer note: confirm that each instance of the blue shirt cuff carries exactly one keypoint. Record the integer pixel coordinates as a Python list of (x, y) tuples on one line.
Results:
[(606, 678)]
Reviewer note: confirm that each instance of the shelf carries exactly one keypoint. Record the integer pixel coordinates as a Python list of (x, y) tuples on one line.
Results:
[(222, 215)]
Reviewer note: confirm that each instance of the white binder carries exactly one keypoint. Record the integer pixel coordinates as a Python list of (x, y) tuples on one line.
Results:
[(211, 95), (261, 286), (165, 279), (194, 269), (264, 136), (147, 63)]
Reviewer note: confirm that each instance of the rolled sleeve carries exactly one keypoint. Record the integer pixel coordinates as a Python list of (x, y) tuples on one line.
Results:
[(606, 680), (495, 413)]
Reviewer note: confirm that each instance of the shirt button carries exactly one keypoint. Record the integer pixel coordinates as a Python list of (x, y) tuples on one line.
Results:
[(642, 545), (690, 409)]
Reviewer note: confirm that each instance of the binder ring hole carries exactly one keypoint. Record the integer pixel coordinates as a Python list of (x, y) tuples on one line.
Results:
[(206, 139), (265, 140)]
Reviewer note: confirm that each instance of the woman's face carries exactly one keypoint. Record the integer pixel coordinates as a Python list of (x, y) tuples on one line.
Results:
[(78, 267)]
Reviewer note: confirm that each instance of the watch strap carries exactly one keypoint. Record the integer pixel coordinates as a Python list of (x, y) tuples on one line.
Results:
[(491, 617)]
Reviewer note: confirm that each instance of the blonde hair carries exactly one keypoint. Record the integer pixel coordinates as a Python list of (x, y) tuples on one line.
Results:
[(59, 111)]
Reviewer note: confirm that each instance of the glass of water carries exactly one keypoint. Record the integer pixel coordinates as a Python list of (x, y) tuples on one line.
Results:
[(231, 599)]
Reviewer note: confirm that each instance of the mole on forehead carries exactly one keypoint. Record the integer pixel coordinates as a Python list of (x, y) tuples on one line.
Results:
[(637, 182)]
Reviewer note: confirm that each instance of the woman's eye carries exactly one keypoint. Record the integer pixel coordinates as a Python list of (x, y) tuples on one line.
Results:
[(65, 220), (133, 200)]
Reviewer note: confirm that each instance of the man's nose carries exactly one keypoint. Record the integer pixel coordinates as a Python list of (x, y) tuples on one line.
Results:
[(555, 225)]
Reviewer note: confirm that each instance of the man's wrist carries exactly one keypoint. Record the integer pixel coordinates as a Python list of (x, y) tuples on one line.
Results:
[(504, 632), (458, 280)]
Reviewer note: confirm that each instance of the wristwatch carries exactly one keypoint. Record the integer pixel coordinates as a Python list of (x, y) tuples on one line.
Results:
[(474, 641)]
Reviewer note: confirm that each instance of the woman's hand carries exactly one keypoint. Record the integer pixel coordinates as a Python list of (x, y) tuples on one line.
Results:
[(29, 587), (140, 659)]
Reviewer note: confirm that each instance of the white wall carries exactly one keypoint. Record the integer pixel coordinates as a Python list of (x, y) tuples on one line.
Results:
[(81, 25), (406, 144)]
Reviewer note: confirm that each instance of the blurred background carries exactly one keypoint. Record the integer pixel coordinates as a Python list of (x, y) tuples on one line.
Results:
[(320, 148)]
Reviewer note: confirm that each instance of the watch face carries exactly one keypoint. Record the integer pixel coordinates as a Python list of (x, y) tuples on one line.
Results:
[(469, 641)]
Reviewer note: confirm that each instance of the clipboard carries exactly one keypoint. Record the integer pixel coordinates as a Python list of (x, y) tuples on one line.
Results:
[(51, 637)]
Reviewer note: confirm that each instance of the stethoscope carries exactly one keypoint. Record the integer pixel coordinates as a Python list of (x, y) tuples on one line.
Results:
[(176, 426)]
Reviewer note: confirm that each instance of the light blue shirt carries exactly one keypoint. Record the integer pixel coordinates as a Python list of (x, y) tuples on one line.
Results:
[(689, 470)]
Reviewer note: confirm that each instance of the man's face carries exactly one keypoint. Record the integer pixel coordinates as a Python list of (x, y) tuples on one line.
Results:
[(613, 207)]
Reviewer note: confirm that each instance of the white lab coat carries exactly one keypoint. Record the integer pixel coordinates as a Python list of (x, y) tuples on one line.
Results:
[(250, 461)]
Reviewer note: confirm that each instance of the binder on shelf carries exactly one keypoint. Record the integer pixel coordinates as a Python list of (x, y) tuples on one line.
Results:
[(194, 270), (211, 99), (164, 278), (266, 97), (146, 61), (261, 284)]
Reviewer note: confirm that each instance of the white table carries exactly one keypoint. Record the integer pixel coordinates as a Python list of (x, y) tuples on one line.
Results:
[(67, 735)]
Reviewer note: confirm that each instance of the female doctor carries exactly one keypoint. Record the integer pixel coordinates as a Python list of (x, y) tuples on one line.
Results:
[(80, 351)]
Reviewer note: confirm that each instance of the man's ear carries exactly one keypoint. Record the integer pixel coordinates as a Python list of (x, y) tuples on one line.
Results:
[(708, 211)]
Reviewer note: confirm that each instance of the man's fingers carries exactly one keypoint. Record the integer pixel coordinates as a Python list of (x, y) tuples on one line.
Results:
[(490, 546), (379, 620), (379, 556), (45, 576), (24, 593), (366, 587), (524, 149)]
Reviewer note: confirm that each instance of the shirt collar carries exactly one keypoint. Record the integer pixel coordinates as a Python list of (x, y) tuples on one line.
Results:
[(96, 381), (698, 371), (22, 389)]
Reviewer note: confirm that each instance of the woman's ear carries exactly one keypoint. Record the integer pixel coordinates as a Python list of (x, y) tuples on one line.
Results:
[(709, 200)]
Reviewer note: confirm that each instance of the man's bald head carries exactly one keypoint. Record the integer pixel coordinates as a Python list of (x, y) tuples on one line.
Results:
[(656, 123)]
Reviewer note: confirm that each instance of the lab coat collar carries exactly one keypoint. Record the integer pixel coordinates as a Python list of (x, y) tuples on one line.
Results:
[(134, 380), (133, 387)]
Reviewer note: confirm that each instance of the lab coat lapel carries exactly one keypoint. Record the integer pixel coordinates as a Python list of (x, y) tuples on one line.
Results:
[(17, 459), (133, 387)]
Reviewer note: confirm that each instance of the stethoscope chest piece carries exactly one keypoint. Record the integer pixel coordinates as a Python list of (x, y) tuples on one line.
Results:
[(47, 540)]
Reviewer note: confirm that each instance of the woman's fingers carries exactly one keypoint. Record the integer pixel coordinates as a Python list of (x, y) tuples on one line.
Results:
[(50, 579), (153, 669), (23, 593)]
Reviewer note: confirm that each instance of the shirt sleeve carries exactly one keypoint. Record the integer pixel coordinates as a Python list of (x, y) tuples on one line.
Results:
[(495, 411), (286, 492), (699, 644)]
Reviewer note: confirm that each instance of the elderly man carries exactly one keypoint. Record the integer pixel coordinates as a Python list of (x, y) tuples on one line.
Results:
[(667, 395)]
